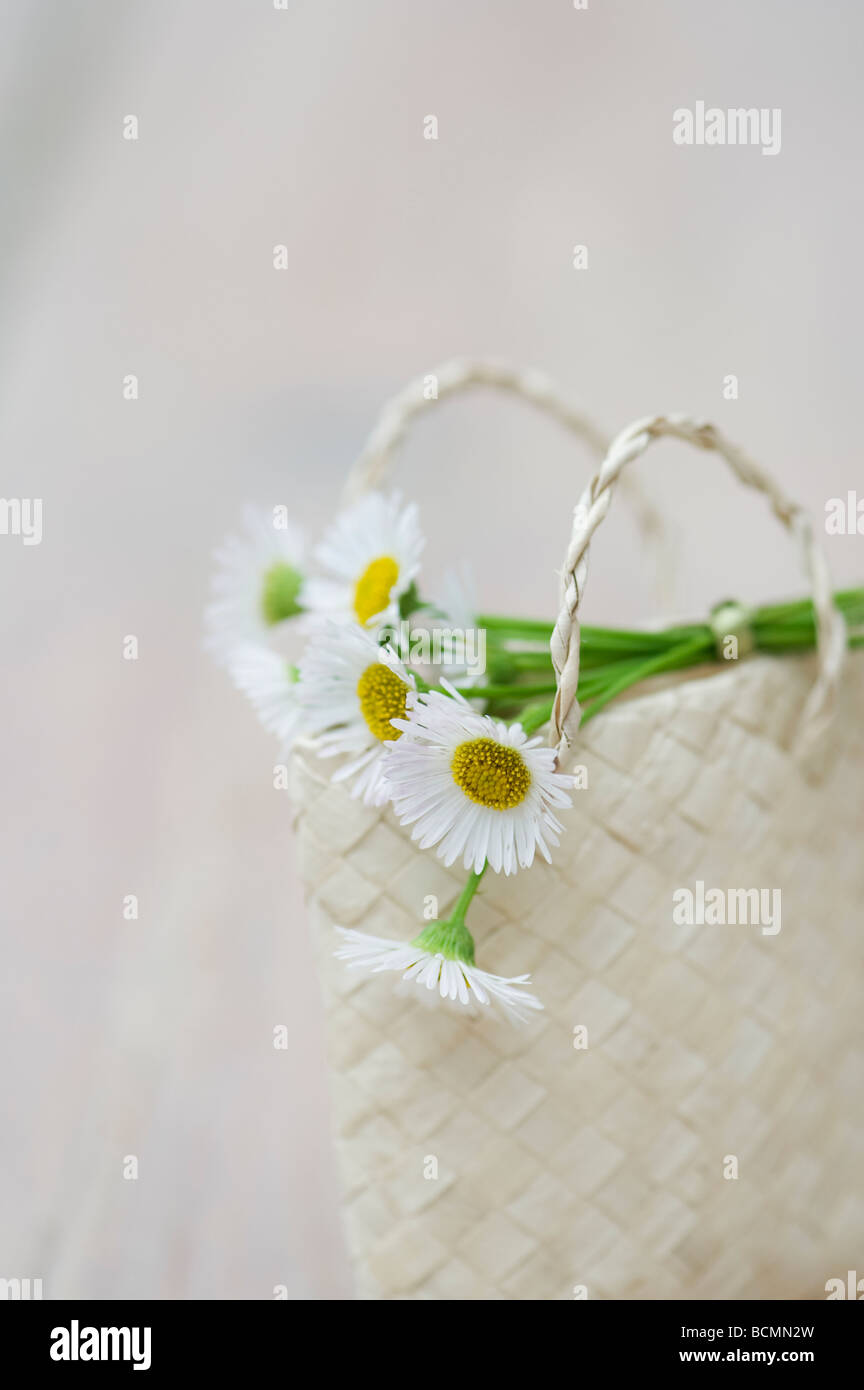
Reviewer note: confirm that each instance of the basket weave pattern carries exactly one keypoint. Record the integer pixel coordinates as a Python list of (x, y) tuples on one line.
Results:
[(603, 1167)]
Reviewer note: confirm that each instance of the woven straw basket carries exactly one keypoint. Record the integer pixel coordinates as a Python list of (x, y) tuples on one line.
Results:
[(605, 1171)]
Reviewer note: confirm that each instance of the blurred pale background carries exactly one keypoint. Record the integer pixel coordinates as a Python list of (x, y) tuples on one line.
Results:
[(305, 127)]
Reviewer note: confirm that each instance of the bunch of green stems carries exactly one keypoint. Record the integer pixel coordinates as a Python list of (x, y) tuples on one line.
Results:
[(520, 680)]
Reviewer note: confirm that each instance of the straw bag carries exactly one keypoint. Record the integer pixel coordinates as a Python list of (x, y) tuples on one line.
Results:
[(685, 1119)]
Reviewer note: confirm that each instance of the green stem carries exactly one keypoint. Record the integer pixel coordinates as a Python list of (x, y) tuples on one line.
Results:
[(687, 654), (605, 639), (518, 660), (451, 938), (530, 626), (506, 692), (464, 900), (604, 670), (535, 716), (613, 660)]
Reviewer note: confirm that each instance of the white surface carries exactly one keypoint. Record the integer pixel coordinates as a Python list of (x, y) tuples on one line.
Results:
[(305, 127)]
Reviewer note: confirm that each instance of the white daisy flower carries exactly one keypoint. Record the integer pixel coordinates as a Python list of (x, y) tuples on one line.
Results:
[(457, 980), (372, 555), (270, 682), (473, 786), (350, 690), (256, 584)]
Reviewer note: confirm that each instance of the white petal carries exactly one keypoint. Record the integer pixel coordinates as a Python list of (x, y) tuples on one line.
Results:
[(460, 984), (425, 796)]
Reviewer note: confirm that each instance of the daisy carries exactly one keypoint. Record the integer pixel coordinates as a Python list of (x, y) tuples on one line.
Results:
[(350, 690), (256, 584), (473, 786), (453, 978), (271, 685), (372, 555)]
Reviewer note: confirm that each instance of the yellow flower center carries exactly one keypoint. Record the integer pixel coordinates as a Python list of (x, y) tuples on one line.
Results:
[(490, 773), (372, 591), (383, 696)]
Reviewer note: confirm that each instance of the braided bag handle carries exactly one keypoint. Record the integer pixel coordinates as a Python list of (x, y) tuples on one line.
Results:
[(591, 510), (375, 464)]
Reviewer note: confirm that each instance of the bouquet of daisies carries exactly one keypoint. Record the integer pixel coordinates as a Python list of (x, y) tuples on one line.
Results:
[(432, 708)]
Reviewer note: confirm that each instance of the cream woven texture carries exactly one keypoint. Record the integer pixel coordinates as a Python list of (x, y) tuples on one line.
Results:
[(604, 1167)]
